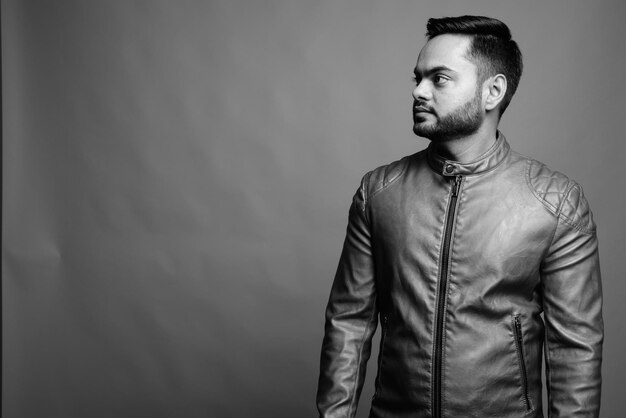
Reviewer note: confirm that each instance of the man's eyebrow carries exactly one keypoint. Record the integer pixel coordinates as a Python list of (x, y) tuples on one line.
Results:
[(433, 70)]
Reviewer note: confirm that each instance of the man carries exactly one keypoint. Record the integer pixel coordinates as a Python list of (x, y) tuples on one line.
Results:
[(458, 250)]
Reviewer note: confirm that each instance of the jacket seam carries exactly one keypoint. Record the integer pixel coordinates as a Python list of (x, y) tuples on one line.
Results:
[(548, 370), (490, 169), (388, 183), (570, 222), (358, 367), (364, 189), (576, 225), (559, 217), (557, 211), (384, 327), (547, 205)]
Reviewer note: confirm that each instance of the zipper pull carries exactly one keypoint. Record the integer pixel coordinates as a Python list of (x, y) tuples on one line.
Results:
[(457, 185)]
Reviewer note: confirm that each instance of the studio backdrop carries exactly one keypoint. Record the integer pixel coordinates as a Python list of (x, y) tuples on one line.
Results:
[(177, 175)]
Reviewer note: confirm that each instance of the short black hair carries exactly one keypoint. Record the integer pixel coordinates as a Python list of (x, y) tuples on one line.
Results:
[(492, 48)]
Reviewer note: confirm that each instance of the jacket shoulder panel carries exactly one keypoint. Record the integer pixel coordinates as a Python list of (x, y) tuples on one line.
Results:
[(562, 196), (576, 210), (380, 178)]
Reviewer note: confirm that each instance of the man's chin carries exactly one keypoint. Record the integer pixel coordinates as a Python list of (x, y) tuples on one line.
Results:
[(420, 129)]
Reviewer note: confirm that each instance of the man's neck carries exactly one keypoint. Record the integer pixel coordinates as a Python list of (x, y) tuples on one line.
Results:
[(468, 148)]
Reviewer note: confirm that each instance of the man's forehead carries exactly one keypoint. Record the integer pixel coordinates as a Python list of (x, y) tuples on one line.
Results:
[(448, 50)]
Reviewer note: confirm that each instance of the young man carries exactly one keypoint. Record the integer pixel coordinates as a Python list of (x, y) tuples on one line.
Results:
[(458, 249)]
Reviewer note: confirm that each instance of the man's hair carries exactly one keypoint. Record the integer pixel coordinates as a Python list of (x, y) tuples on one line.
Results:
[(492, 50)]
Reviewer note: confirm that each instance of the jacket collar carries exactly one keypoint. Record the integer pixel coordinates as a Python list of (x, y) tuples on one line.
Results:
[(489, 160)]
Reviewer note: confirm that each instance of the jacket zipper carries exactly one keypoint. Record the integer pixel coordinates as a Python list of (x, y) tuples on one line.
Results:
[(519, 341), (442, 291)]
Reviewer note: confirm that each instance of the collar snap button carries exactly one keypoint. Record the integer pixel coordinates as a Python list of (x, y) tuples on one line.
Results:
[(449, 168)]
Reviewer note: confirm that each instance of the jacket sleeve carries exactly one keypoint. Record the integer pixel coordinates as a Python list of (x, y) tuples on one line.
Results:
[(572, 297), (350, 319)]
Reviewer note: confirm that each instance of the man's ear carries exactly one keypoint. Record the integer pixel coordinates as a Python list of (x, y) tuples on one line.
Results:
[(494, 89)]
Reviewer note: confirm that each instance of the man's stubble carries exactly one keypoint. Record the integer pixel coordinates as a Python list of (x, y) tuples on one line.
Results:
[(463, 121)]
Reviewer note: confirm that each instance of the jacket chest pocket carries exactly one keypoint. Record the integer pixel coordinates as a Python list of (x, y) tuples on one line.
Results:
[(518, 336)]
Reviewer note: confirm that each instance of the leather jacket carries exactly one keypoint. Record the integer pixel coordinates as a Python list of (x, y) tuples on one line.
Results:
[(470, 268)]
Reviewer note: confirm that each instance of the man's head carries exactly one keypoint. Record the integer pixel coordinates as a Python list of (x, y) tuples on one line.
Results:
[(468, 70)]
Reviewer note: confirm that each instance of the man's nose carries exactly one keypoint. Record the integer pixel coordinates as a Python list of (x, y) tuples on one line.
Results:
[(421, 91)]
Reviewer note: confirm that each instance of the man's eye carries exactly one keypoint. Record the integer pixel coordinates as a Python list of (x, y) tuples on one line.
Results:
[(439, 79)]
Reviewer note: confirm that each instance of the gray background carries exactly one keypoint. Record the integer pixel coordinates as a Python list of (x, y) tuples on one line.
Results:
[(176, 179)]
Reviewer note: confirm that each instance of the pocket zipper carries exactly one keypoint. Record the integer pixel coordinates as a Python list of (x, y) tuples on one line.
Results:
[(519, 342)]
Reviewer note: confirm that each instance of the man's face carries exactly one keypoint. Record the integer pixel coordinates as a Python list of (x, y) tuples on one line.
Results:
[(447, 99)]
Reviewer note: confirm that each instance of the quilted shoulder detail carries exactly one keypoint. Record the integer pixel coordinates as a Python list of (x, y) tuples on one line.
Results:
[(560, 195), (576, 211), (381, 177), (549, 186)]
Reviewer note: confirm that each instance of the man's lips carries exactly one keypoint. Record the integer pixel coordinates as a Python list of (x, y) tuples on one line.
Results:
[(420, 113), (421, 109)]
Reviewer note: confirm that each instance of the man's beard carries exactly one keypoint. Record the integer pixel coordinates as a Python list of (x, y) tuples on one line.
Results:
[(463, 121)]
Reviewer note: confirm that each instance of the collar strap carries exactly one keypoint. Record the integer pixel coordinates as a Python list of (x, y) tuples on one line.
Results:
[(485, 162)]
